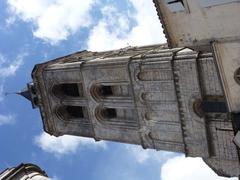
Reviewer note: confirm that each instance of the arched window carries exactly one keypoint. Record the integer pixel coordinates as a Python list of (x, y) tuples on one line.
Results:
[(105, 91), (110, 91), (214, 107), (75, 111), (210, 105), (109, 113), (118, 118), (67, 89), (71, 112)]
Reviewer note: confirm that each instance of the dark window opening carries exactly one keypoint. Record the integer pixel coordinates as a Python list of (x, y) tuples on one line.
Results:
[(175, 1), (109, 113), (214, 106), (117, 118), (70, 89), (109, 92), (74, 111), (71, 112), (175, 5), (35, 101), (209, 106), (237, 76), (105, 91)]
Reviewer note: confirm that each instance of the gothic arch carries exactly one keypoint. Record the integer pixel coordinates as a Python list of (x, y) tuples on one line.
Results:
[(69, 113), (105, 91), (101, 91), (71, 90), (210, 104), (116, 118)]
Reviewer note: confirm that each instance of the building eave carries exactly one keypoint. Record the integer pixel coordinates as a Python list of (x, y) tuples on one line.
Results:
[(163, 23)]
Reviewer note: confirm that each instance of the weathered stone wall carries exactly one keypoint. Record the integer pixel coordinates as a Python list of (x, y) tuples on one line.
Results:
[(140, 95)]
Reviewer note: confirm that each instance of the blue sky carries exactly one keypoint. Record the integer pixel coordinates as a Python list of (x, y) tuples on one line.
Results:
[(34, 31)]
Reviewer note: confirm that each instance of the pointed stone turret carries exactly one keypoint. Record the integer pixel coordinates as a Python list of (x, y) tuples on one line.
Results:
[(25, 93), (30, 94)]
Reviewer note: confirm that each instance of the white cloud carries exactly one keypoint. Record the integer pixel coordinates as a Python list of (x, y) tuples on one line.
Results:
[(181, 168), (175, 167), (10, 20), (53, 20), (6, 119), (65, 144), (144, 155), (8, 68), (114, 31)]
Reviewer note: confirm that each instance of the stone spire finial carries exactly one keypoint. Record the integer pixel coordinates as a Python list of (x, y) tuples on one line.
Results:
[(25, 93), (29, 93)]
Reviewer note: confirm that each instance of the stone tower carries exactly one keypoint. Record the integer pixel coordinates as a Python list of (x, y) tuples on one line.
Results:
[(24, 171), (159, 98)]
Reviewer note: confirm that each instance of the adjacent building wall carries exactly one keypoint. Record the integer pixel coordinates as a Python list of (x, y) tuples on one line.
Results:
[(24, 171)]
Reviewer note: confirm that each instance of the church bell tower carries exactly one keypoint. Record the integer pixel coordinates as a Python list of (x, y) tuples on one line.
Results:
[(159, 98)]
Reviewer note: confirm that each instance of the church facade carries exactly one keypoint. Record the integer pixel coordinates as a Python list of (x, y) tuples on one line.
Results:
[(159, 98), (23, 172)]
